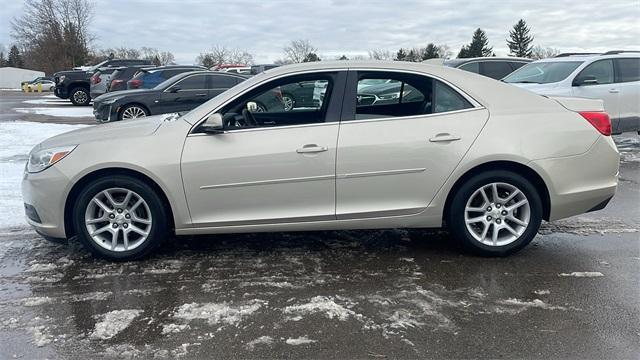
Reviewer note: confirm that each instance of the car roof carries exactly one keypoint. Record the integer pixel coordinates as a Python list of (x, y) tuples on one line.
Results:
[(169, 67), (590, 56), (460, 61), (216, 73)]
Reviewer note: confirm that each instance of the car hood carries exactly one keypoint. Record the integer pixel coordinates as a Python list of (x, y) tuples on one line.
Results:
[(116, 130), (121, 93)]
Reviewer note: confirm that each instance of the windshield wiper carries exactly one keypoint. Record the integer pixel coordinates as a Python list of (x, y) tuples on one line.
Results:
[(525, 82)]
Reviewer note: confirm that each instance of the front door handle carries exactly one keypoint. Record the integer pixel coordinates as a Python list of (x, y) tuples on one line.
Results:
[(311, 148), (444, 137), (614, 91)]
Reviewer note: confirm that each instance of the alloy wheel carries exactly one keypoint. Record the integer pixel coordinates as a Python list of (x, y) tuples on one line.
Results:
[(80, 97), (118, 219), (133, 112), (497, 214), (288, 102)]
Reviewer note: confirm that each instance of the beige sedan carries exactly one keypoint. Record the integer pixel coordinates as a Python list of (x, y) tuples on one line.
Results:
[(421, 146)]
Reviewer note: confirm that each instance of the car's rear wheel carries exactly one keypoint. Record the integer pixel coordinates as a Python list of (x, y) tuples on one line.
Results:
[(133, 111), (120, 218), (495, 213), (288, 102), (80, 96)]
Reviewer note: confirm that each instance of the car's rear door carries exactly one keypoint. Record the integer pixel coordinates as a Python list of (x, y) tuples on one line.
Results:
[(186, 94), (628, 82), (604, 87), (221, 82), (280, 170), (394, 156)]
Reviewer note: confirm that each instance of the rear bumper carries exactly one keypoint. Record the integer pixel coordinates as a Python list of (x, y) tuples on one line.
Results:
[(581, 183)]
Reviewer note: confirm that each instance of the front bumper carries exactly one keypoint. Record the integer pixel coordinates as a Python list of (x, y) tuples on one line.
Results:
[(105, 112), (44, 195), (61, 92), (581, 183)]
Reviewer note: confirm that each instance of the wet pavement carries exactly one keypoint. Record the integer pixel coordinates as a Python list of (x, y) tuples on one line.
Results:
[(572, 293)]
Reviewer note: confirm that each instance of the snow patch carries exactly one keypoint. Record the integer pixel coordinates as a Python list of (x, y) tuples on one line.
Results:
[(174, 328), (325, 305), (113, 323), (40, 336), (299, 341), (542, 292), (262, 340), (76, 111), (37, 301), (535, 303), (218, 313), (582, 274)]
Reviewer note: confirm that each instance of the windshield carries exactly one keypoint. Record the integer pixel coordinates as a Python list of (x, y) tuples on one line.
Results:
[(542, 72)]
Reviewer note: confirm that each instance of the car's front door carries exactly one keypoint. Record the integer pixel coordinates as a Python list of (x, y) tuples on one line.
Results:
[(269, 165), (397, 148), (596, 81), (184, 95)]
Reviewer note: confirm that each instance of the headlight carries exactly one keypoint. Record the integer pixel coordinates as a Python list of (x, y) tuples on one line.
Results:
[(394, 95), (61, 79), (109, 101), (42, 159)]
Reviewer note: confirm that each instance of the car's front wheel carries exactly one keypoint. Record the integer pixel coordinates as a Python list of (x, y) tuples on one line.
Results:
[(120, 218), (495, 213), (80, 96), (133, 111)]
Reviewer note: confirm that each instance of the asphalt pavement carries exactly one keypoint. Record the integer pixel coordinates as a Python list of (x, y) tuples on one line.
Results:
[(370, 294)]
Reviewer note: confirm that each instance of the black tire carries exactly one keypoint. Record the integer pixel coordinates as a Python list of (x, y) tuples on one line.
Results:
[(80, 96), (130, 106), (293, 101), (158, 229), (456, 214)]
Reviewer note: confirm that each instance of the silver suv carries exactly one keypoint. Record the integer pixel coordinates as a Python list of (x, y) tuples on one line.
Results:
[(613, 77)]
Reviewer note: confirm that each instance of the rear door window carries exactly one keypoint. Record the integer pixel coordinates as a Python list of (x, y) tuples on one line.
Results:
[(392, 95), (193, 82), (628, 69), (223, 81), (496, 69)]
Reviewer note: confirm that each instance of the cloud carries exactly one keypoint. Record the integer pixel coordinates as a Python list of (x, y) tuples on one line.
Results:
[(352, 27)]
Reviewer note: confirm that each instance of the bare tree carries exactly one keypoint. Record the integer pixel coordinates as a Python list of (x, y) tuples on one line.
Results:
[(298, 50), (380, 54), (166, 58), (54, 34), (219, 55), (539, 52)]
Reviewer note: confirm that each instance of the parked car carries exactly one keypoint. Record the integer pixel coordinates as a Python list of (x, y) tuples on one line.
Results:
[(493, 67), (46, 85), (485, 158), (257, 69), (303, 94), (613, 77), (75, 85), (99, 81), (23, 83), (150, 78), (182, 92), (121, 75), (244, 70)]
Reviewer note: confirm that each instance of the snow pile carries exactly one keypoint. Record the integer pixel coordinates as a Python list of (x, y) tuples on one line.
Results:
[(582, 274), (36, 301), (16, 140), (535, 303), (299, 341), (173, 328), (322, 304), (40, 336), (217, 313), (113, 323)]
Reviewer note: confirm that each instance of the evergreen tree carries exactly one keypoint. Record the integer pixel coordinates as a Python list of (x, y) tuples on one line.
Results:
[(430, 52), (311, 57), (520, 42), (3, 61), (479, 46), (413, 56), (15, 59), (343, 57), (401, 55)]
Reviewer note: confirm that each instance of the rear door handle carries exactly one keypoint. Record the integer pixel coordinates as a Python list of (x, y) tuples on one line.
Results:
[(311, 148), (444, 137), (614, 91)]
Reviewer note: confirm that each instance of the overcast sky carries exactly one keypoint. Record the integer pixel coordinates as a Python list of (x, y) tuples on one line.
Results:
[(351, 27)]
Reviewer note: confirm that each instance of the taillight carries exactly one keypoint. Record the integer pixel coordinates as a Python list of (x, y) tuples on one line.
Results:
[(135, 83), (599, 120), (116, 82), (95, 79)]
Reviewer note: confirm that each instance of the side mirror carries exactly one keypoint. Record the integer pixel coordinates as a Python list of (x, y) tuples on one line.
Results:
[(213, 124), (585, 80), (175, 89)]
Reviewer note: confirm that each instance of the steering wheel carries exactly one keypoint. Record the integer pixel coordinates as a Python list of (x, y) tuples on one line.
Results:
[(249, 120)]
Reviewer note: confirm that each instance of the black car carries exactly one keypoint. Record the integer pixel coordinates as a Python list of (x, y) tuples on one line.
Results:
[(493, 67), (75, 84), (182, 92), (148, 78), (121, 75)]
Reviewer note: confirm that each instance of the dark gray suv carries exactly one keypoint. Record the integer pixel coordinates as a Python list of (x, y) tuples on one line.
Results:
[(493, 67)]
